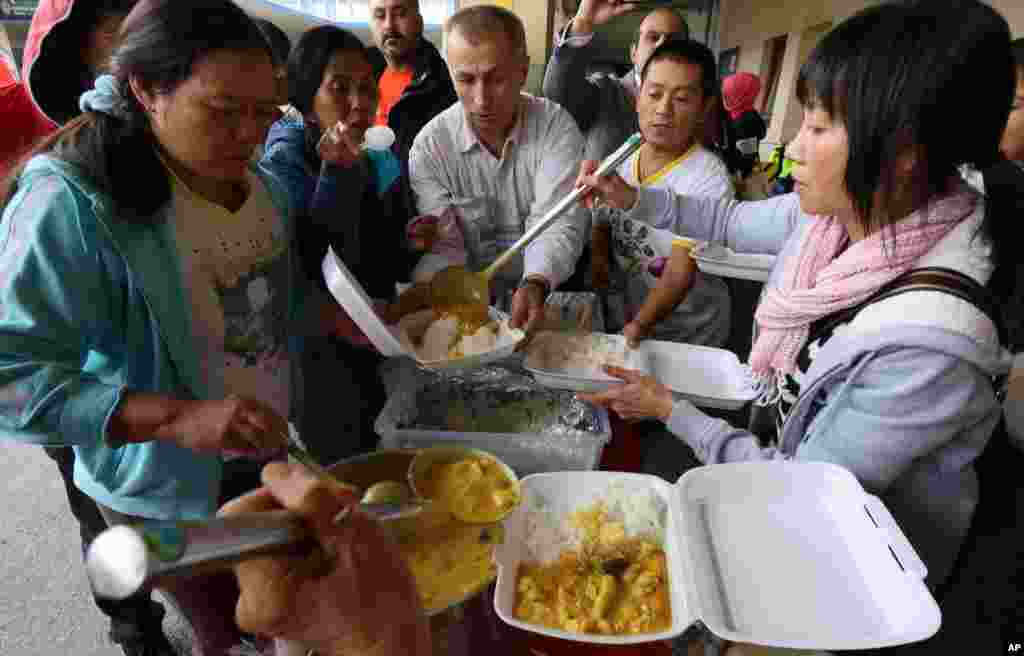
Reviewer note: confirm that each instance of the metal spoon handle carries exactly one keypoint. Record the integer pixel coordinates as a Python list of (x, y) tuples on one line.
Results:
[(127, 558), (609, 164)]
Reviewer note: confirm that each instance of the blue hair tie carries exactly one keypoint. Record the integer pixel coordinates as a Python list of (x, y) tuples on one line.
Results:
[(105, 97)]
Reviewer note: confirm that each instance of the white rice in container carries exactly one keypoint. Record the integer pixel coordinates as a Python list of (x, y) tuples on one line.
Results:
[(549, 530)]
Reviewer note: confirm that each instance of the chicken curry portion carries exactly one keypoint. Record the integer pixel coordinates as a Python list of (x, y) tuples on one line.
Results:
[(612, 583), (450, 547), (475, 489)]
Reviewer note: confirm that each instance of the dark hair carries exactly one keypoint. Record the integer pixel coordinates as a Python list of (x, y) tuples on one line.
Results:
[(309, 59), (60, 74), (683, 34), (1018, 52), (693, 52), (161, 41), (479, 20), (896, 75), (280, 44), (904, 76)]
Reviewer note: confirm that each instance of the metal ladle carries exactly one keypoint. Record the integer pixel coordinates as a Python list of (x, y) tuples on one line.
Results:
[(456, 285), (125, 559)]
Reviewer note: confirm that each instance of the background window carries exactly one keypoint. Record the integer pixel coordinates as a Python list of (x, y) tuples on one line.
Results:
[(774, 52)]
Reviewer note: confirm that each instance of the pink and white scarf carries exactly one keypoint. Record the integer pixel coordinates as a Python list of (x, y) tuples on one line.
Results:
[(823, 278)]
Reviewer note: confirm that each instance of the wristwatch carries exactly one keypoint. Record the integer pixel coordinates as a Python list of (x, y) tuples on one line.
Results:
[(545, 286)]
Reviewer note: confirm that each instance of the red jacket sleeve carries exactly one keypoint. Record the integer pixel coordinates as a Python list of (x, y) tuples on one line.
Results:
[(24, 125)]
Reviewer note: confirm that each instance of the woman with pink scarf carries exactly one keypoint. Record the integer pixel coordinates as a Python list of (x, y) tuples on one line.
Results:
[(904, 391)]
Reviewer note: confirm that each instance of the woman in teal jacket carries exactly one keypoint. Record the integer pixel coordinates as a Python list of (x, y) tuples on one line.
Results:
[(147, 286)]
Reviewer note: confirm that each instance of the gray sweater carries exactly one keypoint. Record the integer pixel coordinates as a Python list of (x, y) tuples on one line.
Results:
[(903, 398), (604, 106)]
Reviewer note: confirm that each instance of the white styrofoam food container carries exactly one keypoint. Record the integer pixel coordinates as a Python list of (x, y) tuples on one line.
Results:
[(575, 376), (792, 555), (705, 376), (719, 260), (393, 341)]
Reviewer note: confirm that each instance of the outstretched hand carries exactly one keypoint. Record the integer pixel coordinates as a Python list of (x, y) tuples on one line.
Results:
[(642, 396), (599, 12)]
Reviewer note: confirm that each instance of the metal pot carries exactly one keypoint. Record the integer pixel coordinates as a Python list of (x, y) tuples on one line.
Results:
[(450, 626)]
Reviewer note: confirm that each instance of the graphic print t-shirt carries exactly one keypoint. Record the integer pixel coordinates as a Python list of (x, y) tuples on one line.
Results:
[(641, 251), (237, 279)]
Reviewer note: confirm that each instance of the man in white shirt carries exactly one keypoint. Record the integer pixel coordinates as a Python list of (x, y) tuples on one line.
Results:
[(604, 106), (498, 160)]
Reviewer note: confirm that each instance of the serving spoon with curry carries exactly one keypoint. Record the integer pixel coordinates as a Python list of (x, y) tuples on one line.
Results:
[(473, 486)]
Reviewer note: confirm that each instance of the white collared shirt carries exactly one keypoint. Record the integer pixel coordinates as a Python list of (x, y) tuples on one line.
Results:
[(539, 162)]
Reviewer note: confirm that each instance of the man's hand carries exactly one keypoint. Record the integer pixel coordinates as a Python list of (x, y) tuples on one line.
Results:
[(598, 12), (528, 306), (352, 594), (423, 232), (642, 397), (610, 189), (339, 324), (635, 332)]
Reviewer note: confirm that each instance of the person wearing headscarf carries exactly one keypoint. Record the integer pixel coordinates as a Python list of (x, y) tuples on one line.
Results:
[(739, 93)]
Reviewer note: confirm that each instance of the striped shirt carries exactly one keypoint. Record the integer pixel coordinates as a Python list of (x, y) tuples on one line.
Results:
[(498, 198)]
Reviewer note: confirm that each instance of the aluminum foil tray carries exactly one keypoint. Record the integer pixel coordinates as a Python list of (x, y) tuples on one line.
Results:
[(499, 409)]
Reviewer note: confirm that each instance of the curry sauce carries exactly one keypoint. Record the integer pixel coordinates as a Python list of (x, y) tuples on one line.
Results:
[(474, 489), (449, 560), (450, 547), (612, 584)]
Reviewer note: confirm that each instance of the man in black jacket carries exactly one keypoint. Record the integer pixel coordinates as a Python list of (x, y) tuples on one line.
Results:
[(413, 79)]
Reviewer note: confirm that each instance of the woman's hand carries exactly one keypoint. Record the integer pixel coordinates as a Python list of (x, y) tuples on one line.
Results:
[(352, 595), (610, 189), (242, 426), (340, 145), (642, 397)]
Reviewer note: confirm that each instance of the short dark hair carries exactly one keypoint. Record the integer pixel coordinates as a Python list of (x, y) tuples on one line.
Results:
[(279, 42), (896, 75), (160, 43), (684, 34), (478, 20), (309, 59), (691, 51)]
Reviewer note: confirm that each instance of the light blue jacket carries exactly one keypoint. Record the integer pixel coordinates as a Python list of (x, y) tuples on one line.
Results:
[(93, 306), (905, 400)]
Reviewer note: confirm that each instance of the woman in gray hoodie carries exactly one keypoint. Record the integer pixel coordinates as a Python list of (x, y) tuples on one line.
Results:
[(904, 391)]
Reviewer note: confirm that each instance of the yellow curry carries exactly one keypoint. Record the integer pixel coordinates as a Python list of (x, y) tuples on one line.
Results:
[(449, 560), (475, 489), (450, 548), (469, 317), (612, 584)]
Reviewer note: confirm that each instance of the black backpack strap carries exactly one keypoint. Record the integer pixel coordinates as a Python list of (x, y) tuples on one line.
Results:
[(937, 279)]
